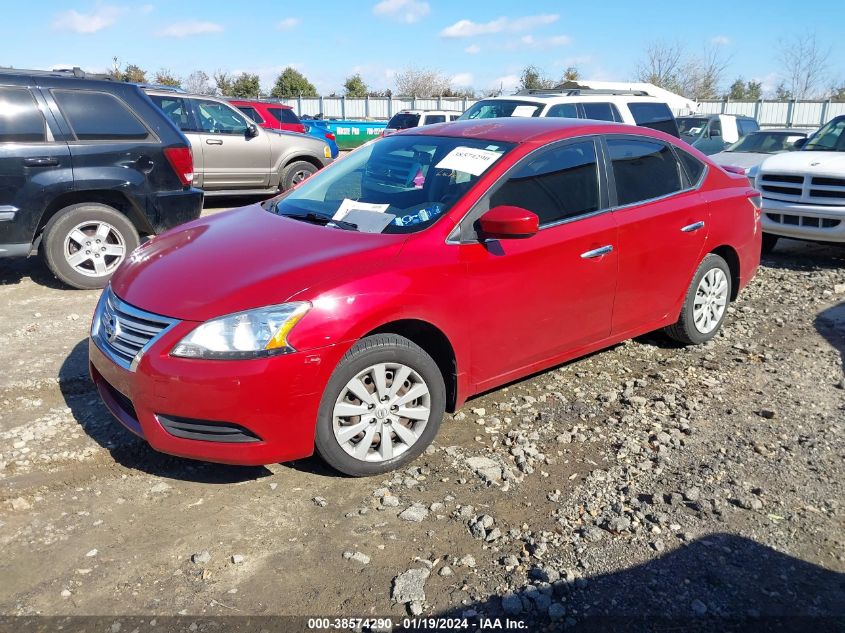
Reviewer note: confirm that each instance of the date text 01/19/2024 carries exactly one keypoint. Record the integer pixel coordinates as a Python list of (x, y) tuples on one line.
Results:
[(417, 624)]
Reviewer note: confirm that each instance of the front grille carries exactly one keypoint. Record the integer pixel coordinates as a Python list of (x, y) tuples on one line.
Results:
[(124, 332), (803, 220), (207, 430), (822, 190)]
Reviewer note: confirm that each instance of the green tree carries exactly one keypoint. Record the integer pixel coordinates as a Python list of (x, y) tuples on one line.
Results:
[(738, 91), (782, 93), (532, 79), (754, 90), (134, 74), (355, 86), (292, 83), (571, 74), (223, 83), (246, 86), (167, 78)]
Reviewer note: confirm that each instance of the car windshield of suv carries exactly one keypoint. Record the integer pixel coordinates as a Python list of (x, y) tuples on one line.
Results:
[(405, 182), (686, 125), (403, 121), (765, 143), (831, 138), (498, 108)]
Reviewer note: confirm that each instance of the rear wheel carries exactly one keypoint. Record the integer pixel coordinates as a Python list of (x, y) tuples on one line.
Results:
[(769, 243), (295, 173), (83, 244), (706, 303), (381, 407)]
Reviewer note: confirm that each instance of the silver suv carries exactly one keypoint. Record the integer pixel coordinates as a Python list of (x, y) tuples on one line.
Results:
[(232, 155)]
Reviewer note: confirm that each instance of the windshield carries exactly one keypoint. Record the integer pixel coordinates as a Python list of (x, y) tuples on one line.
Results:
[(687, 124), (766, 142), (403, 121), (399, 184), (831, 138), (498, 108)]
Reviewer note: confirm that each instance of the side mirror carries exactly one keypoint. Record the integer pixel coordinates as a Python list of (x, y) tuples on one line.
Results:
[(507, 222), (799, 143), (251, 130)]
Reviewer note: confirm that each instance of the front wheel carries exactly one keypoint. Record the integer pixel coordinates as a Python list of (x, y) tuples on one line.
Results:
[(295, 173), (382, 406), (706, 303)]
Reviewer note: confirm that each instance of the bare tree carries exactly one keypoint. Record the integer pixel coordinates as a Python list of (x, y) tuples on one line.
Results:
[(662, 65), (421, 82), (198, 83), (700, 76), (804, 63)]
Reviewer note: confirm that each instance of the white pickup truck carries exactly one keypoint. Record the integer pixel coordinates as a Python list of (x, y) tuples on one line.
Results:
[(804, 191)]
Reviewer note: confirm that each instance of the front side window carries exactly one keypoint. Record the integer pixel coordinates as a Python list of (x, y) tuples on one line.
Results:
[(560, 184), (411, 181), (99, 116), (600, 111), (498, 108), (435, 118), (564, 111), (403, 121), (176, 109), (643, 169), (218, 118), (765, 142), (20, 119)]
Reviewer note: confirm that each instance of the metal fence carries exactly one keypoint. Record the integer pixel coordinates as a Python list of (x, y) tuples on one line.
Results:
[(808, 114)]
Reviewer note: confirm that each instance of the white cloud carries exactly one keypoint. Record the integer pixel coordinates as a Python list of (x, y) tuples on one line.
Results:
[(507, 83), (189, 28), (472, 49), (468, 28), (407, 11), (540, 43), (720, 40), (102, 17), (463, 80), (288, 23)]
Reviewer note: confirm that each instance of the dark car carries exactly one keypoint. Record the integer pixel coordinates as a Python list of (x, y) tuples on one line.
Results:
[(87, 165)]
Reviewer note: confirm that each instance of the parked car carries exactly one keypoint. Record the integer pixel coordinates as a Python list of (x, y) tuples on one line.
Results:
[(87, 165), (316, 128), (232, 155), (270, 115), (623, 106), (406, 119), (712, 133), (804, 191), (749, 151), (421, 269)]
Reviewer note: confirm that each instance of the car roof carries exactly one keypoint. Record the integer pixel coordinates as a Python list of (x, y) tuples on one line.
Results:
[(258, 102), (526, 130), (546, 98), (715, 116)]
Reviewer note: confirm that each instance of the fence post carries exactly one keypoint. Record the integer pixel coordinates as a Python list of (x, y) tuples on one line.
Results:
[(413, 102), (343, 107), (366, 106), (790, 108), (321, 104), (464, 104), (299, 104), (439, 102), (758, 108), (825, 109), (724, 105)]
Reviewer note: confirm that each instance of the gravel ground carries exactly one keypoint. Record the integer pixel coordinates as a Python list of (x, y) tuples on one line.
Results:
[(644, 481)]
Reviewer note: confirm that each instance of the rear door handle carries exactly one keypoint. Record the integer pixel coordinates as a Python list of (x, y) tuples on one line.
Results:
[(41, 161), (213, 141), (691, 228), (597, 252)]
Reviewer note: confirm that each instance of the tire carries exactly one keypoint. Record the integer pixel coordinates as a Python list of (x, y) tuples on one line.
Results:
[(712, 284), (392, 352), (295, 173), (64, 250), (769, 243)]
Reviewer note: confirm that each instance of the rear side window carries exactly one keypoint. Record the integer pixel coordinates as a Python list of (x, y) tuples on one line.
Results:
[(693, 167), (643, 169), (435, 118), (20, 119), (176, 108), (747, 126), (285, 115), (403, 121), (251, 112), (657, 116), (560, 184), (601, 111), (98, 116), (564, 110)]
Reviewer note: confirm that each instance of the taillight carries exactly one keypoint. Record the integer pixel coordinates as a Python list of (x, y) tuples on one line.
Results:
[(182, 161), (331, 136)]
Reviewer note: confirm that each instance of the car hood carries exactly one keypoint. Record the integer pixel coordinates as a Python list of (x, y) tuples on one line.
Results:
[(816, 163), (746, 160), (241, 259)]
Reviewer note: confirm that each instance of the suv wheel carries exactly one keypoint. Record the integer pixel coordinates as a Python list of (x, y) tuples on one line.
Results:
[(83, 244), (295, 173)]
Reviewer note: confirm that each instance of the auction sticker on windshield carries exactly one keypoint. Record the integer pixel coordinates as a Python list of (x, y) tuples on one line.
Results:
[(353, 205), (468, 159)]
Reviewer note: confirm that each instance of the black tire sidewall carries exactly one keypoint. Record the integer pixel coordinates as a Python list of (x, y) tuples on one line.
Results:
[(359, 358), (52, 243), (709, 263), (290, 170), (769, 242)]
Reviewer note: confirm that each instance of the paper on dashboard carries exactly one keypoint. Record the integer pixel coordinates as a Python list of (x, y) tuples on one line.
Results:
[(353, 205)]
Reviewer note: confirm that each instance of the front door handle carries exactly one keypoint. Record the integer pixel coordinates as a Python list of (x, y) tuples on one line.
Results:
[(692, 228), (41, 161), (597, 252), (213, 141)]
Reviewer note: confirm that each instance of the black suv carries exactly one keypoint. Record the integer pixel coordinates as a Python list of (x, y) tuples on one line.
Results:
[(87, 165)]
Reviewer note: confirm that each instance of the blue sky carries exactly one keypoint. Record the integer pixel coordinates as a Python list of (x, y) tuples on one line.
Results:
[(478, 44)]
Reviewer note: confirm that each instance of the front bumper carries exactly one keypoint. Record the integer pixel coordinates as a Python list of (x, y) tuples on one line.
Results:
[(274, 401), (172, 208), (823, 223)]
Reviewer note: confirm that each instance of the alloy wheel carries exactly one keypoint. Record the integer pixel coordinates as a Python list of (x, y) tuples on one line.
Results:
[(711, 299), (94, 248)]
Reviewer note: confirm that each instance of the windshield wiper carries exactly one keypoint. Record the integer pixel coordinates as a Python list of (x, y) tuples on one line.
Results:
[(323, 220)]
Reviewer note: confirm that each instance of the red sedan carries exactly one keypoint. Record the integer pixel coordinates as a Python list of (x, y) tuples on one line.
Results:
[(270, 115), (349, 313)]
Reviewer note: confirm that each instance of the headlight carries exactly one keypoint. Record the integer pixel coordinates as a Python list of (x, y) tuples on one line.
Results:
[(251, 334)]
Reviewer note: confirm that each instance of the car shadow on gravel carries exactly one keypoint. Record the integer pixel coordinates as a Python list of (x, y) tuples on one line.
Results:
[(831, 325), (720, 582), (91, 414), (15, 271)]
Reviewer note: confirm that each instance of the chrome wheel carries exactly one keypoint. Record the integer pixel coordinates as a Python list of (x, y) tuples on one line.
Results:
[(381, 412), (94, 248), (299, 176), (711, 299)]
